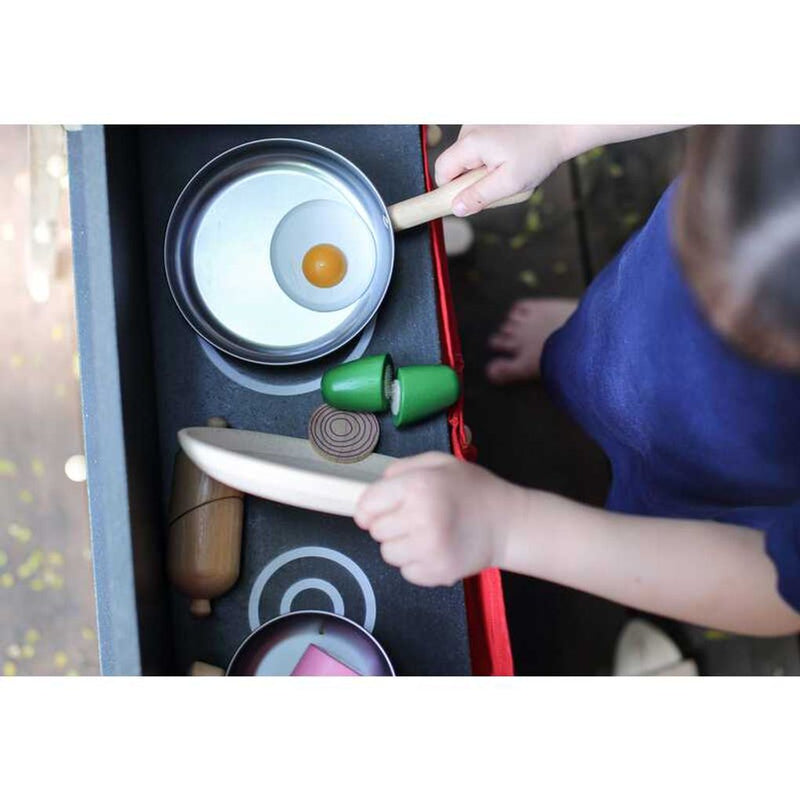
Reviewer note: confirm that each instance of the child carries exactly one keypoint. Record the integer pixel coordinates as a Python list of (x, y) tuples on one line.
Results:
[(682, 361)]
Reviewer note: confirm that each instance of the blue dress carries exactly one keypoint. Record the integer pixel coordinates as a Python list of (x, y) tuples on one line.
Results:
[(692, 428)]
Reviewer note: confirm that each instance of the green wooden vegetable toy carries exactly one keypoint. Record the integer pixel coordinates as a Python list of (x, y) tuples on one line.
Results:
[(370, 384), (361, 385), (420, 392)]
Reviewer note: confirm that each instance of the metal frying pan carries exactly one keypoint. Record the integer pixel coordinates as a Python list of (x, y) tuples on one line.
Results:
[(239, 229), (277, 646)]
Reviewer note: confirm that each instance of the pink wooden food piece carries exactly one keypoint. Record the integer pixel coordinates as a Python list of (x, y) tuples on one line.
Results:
[(318, 663)]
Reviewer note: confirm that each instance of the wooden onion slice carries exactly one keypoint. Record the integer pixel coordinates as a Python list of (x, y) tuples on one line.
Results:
[(343, 436)]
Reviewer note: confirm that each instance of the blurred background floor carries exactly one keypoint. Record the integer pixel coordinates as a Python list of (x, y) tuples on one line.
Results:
[(551, 246), (47, 618)]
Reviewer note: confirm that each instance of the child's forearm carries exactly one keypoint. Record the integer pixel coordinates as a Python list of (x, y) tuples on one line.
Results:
[(705, 573), (520, 157), (577, 139)]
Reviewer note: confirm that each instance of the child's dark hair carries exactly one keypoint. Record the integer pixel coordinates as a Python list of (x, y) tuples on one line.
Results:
[(737, 230)]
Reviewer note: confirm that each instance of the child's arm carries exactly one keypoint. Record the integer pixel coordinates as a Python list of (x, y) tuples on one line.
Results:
[(520, 157), (440, 520)]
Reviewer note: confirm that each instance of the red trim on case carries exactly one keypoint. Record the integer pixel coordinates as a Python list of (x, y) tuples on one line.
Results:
[(490, 645)]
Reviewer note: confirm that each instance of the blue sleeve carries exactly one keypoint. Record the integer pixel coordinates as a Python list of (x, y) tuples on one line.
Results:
[(781, 528)]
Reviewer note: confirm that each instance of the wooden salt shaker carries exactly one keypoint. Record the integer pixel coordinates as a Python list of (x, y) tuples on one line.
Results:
[(205, 533)]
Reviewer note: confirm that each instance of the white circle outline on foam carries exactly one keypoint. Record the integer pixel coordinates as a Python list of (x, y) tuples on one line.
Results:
[(264, 386), (298, 587), (326, 553)]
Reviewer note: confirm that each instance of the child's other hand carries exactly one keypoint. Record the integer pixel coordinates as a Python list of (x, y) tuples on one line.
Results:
[(519, 158), (437, 518)]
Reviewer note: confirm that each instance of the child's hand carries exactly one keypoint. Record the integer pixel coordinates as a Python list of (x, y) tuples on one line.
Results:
[(519, 158), (437, 518)]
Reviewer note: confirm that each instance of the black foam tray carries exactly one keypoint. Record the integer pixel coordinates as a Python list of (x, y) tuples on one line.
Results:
[(166, 378)]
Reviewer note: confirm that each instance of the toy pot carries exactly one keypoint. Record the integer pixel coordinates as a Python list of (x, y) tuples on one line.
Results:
[(309, 644)]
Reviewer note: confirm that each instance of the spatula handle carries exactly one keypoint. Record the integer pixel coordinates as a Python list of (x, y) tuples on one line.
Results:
[(439, 202)]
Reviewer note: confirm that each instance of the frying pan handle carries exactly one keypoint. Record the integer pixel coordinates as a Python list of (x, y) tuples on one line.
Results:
[(439, 203)]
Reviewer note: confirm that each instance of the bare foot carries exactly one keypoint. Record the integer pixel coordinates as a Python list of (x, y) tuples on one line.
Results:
[(522, 336)]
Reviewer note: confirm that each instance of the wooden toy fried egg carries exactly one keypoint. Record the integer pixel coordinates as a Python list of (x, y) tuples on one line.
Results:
[(323, 255)]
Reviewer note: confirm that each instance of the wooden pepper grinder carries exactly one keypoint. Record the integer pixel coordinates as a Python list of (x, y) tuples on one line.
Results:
[(205, 533)]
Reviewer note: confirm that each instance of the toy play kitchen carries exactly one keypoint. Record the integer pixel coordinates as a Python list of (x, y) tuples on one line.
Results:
[(225, 454)]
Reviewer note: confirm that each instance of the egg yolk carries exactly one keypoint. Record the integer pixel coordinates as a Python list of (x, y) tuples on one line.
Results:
[(324, 265)]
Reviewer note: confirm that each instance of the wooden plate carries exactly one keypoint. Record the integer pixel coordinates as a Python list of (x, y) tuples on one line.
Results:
[(281, 468)]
